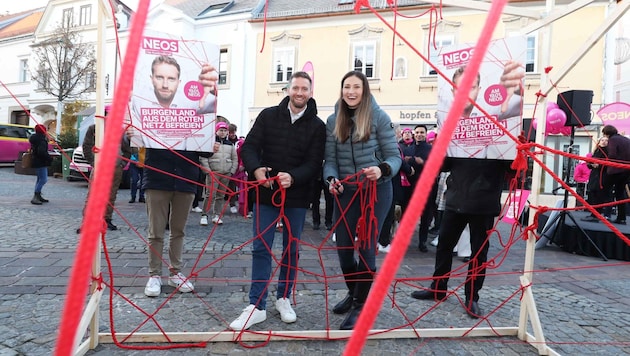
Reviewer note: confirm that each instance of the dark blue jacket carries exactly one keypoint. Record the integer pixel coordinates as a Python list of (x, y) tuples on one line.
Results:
[(416, 149), (296, 148), (182, 172)]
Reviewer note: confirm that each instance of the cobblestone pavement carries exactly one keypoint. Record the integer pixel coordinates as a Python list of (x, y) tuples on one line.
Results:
[(582, 301)]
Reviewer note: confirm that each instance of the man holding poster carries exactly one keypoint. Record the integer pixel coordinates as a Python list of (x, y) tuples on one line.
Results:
[(497, 90), (478, 165), (175, 123)]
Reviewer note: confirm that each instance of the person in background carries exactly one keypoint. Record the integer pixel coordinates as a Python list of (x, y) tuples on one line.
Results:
[(617, 178), (416, 155), (223, 164), (232, 185), (319, 184), (597, 192), (400, 185), (89, 142), (41, 161), (135, 171), (282, 153), (580, 176), (360, 147)]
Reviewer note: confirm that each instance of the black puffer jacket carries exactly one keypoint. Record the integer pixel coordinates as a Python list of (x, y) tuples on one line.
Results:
[(39, 149), (475, 185), (183, 173), (296, 148)]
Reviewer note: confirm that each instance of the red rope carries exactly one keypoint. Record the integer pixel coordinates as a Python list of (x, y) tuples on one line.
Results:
[(420, 195), (101, 187)]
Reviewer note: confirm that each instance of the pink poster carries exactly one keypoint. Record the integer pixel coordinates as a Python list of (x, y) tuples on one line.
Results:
[(170, 108), (476, 135), (515, 205)]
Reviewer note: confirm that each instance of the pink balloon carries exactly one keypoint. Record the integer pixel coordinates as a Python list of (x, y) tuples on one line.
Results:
[(552, 105), (556, 118), (534, 123)]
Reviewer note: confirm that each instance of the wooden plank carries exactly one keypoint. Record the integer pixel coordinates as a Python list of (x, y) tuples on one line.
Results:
[(232, 336), (554, 15), (601, 30), (88, 316)]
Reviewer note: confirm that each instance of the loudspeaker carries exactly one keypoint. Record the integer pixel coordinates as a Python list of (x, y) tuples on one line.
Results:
[(577, 105), (528, 130)]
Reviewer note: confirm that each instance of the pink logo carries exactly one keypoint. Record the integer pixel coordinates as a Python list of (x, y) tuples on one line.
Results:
[(457, 58), (193, 90), (616, 114), (495, 95)]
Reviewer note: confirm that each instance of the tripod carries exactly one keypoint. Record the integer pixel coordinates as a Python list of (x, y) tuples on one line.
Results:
[(560, 218)]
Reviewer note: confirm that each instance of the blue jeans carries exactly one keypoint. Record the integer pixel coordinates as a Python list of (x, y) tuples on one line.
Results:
[(136, 180), (265, 218), (347, 225), (42, 178)]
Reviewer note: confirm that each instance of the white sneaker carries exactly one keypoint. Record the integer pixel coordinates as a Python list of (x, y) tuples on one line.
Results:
[(217, 220), (435, 241), (153, 287), (233, 210), (384, 249), (248, 317), (204, 220), (334, 237), (181, 282), (283, 305), (249, 215), (196, 210)]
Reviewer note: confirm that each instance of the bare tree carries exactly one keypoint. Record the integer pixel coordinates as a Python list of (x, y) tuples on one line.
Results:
[(65, 66)]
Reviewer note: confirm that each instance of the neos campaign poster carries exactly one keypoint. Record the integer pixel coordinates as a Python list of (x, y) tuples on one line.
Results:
[(476, 136), (170, 108)]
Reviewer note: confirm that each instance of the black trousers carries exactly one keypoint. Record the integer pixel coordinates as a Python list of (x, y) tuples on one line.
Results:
[(617, 182), (453, 225)]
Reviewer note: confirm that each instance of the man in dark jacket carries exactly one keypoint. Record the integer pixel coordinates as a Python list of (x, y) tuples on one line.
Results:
[(416, 155), (617, 178), (473, 197), (282, 153)]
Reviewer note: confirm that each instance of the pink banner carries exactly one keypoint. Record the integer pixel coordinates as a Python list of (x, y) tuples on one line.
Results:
[(515, 206), (616, 114)]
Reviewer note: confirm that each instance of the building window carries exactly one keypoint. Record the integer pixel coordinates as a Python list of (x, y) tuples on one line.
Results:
[(283, 63), (400, 67), (90, 81), (66, 20), (532, 53), (85, 15), (364, 58), (224, 65), (434, 54), (43, 81), (24, 70)]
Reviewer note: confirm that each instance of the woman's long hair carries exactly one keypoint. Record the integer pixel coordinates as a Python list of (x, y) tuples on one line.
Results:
[(363, 113)]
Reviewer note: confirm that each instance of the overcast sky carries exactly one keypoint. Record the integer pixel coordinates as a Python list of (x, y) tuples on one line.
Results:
[(13, 7)]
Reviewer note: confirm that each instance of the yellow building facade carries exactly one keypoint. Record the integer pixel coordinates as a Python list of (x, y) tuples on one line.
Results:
[(400, 79)]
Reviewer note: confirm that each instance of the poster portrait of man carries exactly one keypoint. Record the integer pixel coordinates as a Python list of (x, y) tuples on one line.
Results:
[(477, 135), (170, 107)]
